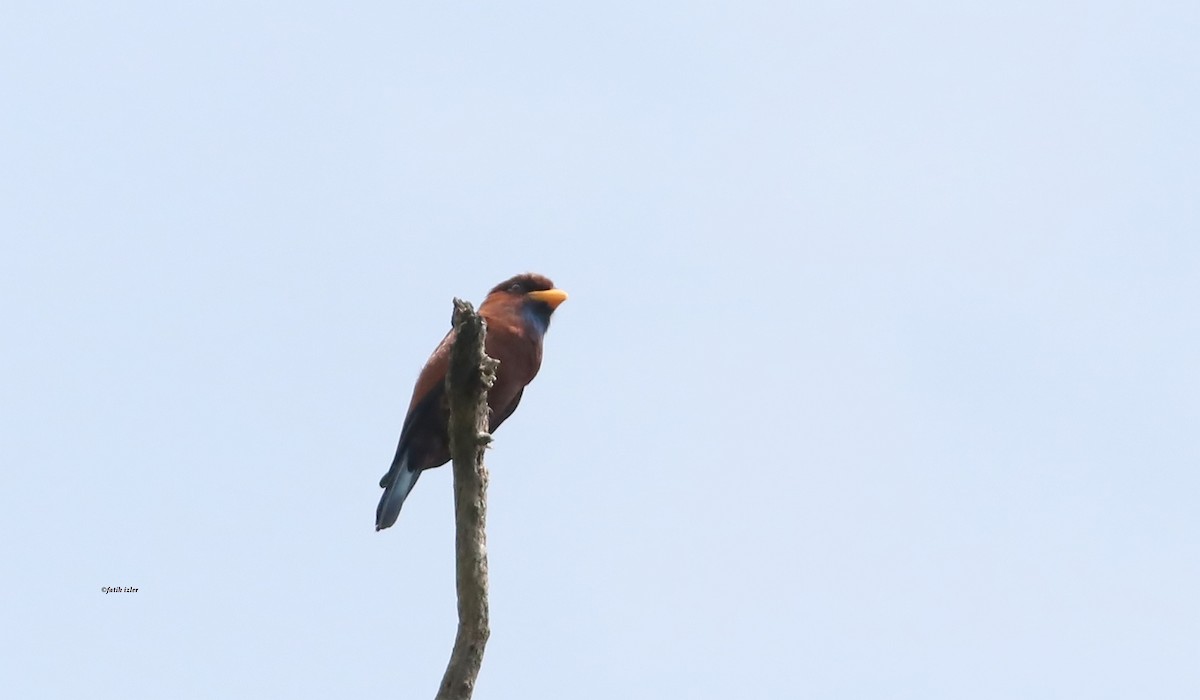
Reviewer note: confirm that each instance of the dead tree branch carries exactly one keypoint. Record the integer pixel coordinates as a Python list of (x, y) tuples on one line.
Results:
[(468, 379)]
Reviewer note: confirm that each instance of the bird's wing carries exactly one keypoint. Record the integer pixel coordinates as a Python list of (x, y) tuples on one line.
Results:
[(423, 415), (433, 374), (427, 399)]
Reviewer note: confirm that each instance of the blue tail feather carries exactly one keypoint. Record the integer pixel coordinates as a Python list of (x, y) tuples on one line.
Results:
[(396, 484)]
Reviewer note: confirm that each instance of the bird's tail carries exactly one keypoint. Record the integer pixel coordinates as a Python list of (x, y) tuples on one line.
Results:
[(396, 485)]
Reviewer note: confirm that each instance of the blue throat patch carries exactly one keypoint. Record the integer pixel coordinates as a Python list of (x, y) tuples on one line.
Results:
[(537, 318)]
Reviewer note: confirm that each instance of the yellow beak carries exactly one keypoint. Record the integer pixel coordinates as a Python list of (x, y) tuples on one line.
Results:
[(549, 297)]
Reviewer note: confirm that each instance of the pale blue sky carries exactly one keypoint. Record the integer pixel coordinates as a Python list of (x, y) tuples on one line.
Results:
[(879, 376)]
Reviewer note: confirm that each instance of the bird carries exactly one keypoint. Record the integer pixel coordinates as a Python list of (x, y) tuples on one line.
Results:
[(517, 312)]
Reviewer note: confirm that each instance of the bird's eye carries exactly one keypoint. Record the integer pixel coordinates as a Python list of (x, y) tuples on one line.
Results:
[(515, 289)]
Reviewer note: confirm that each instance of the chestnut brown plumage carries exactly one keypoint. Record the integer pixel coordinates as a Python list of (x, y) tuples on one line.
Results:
[(517, 312)]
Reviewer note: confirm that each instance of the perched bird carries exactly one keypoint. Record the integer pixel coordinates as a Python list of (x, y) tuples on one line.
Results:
[(517, 312)]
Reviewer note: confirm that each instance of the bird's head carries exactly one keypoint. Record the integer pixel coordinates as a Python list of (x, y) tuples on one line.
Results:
[(535, 294)]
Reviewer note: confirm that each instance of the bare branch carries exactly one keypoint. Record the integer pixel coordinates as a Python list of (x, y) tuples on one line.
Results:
[(468, 379)]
